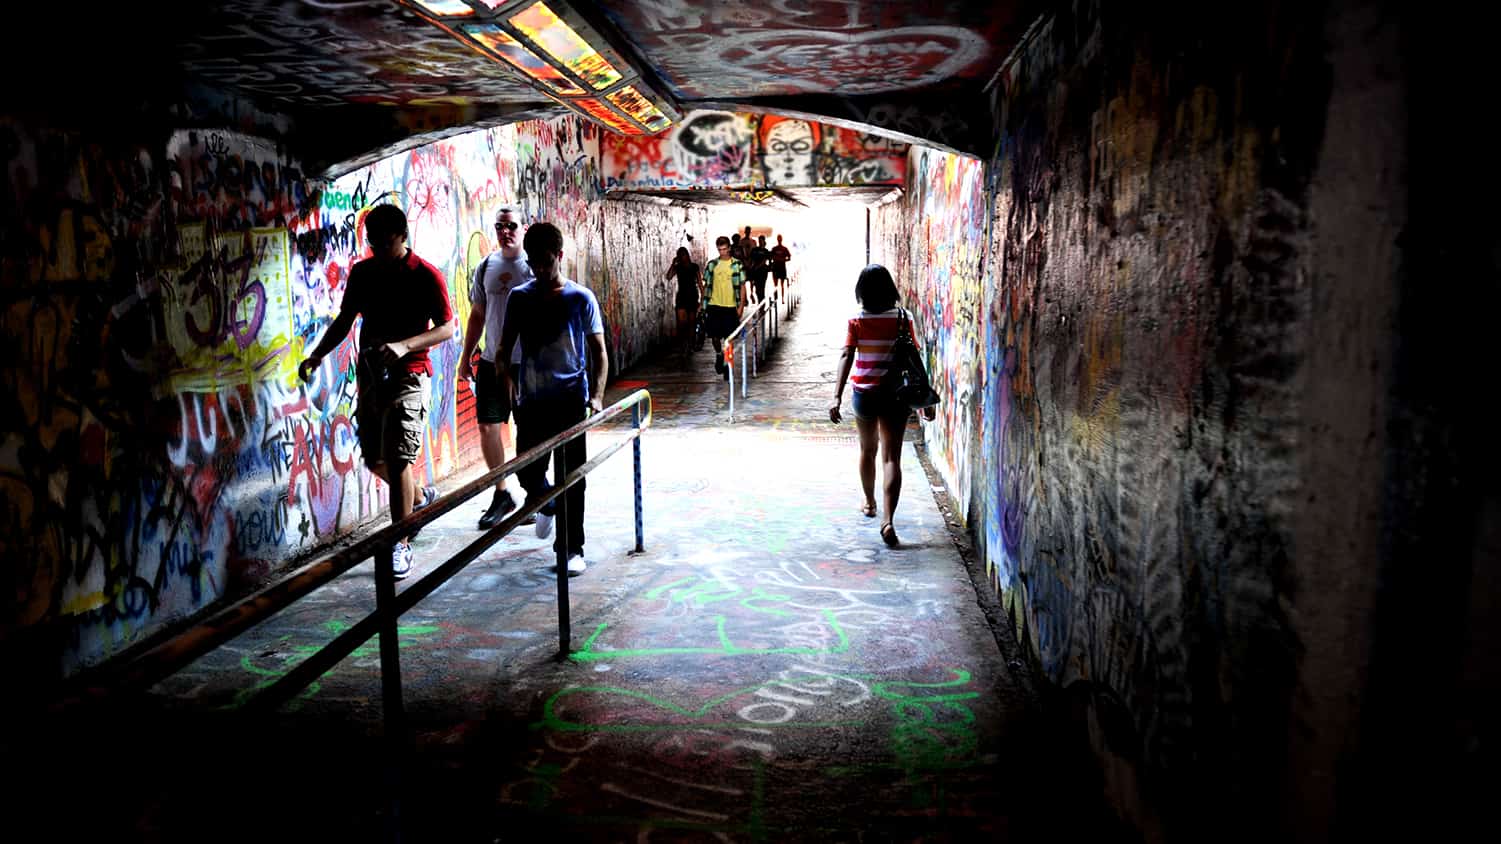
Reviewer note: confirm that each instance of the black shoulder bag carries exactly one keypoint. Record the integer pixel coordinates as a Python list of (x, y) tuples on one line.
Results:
[(906, 373)]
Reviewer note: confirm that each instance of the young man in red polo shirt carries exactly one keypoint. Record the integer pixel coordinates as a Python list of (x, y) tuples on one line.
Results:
[(404, 302)]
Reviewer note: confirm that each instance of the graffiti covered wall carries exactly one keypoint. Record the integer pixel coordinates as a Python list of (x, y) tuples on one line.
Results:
[(719, 149), (156, 304), (933, 239), (1123, 382), (707, 149), (158, 446), (1158, 460)]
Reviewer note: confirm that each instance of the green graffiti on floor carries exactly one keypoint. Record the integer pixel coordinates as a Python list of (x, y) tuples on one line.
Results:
[(702, 592), (406, 635), (934, 731), (708, 591), (934, 734), (725, 647), (551, 720)]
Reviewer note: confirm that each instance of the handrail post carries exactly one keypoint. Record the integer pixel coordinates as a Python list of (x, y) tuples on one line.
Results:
[(729, 346), (744, 367), (636, 455), (390, 682), (755, 340), (560, 538)]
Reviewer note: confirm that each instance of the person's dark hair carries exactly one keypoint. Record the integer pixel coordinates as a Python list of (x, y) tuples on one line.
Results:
[(683, 252), (721, 241), (542, 241), (383, 221), (875, 291)]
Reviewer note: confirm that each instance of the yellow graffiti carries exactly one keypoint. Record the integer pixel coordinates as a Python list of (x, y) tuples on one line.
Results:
[(237, 327)]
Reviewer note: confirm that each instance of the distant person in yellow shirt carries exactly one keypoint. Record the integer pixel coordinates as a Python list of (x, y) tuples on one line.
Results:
[(723, 279)]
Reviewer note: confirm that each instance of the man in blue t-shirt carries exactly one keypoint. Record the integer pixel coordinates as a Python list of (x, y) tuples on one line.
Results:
[(560, 378)]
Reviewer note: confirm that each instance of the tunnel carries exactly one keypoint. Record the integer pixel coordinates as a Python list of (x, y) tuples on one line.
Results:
[(1195, 546)]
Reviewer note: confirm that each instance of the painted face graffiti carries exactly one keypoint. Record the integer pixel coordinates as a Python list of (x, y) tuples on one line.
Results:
[(788, 156)]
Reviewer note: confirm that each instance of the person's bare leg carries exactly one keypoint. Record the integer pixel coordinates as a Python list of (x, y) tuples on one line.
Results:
[(892, 431), (403, 493), (493, 447), (868, 441)]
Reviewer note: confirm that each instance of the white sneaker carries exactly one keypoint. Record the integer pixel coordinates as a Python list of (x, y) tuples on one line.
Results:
[(576, 564), (401, 560), (544, 525)]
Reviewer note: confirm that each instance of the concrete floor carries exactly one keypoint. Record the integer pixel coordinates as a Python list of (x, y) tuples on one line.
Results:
[(767, 670)]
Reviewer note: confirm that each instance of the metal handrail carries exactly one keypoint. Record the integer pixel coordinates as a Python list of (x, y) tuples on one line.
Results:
[(168, 657), (752, 331), (347, 642)]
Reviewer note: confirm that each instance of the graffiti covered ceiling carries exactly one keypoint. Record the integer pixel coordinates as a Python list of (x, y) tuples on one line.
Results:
[(344, 78), (710, 50)]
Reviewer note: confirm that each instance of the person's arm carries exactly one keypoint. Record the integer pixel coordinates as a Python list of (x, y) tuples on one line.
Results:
[(508, 333), (472, 333), (742, 288), (599, 372), (396, 350), (337, 331), (846, 362), (672, 267)]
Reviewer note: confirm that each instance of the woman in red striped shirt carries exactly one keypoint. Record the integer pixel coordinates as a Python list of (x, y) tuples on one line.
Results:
[(878, 415)]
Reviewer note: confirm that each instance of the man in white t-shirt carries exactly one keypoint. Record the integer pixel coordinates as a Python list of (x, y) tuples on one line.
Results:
[(497, 275)]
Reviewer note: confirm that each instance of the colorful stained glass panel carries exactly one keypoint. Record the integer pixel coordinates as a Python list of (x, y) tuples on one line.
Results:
[(551, 33), (495, 39)]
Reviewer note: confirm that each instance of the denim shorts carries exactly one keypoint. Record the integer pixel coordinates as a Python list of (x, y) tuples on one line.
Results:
[(870, 405)]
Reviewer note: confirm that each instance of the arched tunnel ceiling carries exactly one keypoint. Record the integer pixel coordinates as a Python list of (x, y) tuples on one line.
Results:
[(346, 81)]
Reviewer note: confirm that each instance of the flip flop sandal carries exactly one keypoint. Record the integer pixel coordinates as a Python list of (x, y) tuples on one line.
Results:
[(888, 535), (868, 511)]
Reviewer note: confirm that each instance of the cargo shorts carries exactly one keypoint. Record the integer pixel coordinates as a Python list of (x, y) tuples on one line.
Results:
[(391, 416)]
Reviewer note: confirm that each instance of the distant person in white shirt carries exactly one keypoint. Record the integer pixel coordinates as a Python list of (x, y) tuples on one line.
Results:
[(497, 275)]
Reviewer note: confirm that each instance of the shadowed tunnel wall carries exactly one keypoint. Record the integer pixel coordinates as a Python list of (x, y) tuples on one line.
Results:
[(158, 291), (1163, 318)]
